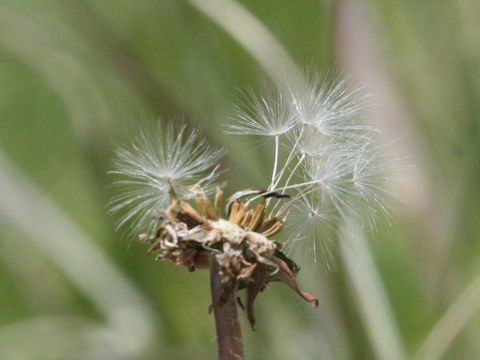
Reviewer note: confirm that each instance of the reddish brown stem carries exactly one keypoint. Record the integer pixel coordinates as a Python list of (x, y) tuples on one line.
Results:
[(227, 325)]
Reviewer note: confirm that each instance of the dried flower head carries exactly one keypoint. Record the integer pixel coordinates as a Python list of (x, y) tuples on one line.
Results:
[(240, 244), (326, 167)]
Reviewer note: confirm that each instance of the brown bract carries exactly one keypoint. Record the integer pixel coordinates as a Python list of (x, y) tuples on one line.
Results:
[(246, 257)]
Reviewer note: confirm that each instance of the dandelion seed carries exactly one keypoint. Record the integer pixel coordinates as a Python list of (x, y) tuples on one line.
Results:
[(267, 115), (158, 161), (369, 182), (310, 143), (311, 229), (330, 106)]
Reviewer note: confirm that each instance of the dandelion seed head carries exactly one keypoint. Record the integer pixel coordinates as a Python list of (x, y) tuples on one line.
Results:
[(161, 160)]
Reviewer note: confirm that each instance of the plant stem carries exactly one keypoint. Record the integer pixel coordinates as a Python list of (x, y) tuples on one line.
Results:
[(227, 326)]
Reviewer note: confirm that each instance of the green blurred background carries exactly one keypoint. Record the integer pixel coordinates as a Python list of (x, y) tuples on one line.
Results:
[(76, 75)]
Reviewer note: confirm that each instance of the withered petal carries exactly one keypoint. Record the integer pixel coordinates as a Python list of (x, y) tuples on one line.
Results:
[(289, 278), (254, 287)]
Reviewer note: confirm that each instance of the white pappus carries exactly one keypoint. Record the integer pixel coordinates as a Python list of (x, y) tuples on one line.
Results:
[(158, 160)]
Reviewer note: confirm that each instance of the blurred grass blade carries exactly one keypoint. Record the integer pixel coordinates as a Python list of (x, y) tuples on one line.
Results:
[(360, 50), (49, 337), (451, 323), (46, 53), (251, 34), (370, 295), (129, 325)]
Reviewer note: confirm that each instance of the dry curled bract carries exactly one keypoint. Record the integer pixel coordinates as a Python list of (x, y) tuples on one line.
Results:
[(246, 257)]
